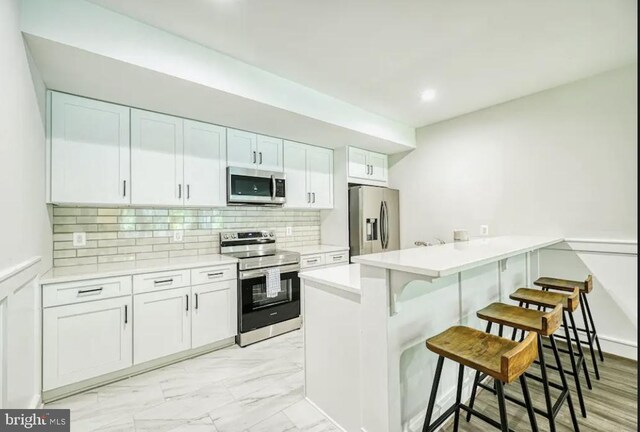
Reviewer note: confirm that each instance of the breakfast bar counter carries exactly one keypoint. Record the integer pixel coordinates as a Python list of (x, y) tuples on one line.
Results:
[(366, 365)]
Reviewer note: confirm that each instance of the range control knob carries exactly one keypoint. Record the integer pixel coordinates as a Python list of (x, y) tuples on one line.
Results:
[(233, 236), (226, 236), (271, 234)]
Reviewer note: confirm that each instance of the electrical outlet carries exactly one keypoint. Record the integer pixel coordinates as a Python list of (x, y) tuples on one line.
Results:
[(484, 230), (289, 231), (178, 236), (79, 239)]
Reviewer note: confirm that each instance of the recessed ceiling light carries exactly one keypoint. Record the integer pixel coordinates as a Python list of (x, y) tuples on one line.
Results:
[(428, 95)]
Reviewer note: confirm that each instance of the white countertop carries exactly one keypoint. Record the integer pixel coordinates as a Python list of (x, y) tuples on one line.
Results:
[(450, 258), (345, 277), (317, 249), (75, 273)]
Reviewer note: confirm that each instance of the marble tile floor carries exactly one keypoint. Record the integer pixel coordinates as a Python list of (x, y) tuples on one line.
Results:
[(254, 389)]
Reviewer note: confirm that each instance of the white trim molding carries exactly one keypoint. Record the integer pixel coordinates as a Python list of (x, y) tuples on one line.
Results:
[(602, 246), (13, 278)]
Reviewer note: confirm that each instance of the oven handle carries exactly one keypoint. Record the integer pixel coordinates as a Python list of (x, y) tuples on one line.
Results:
[(253, 274)]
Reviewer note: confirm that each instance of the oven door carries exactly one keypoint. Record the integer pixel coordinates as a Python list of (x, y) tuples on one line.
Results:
[(256, 309), (247, 186)]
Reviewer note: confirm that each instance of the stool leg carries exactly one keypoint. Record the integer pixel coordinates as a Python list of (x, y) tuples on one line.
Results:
[(574, 368), (563, 380), (504, 422), (434, 393), (456, 418), (589, 340), (582, 360), (593, 326), (515, 330), (545, 385), (476, 380), (527, 401)]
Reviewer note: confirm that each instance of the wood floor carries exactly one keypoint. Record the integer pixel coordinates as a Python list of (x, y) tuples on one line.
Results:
[(612, 405)]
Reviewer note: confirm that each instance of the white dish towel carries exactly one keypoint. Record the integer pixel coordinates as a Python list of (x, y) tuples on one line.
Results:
[(273, 282)]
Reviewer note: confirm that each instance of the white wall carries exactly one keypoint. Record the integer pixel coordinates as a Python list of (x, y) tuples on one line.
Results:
[(26, 234), (560, 162)]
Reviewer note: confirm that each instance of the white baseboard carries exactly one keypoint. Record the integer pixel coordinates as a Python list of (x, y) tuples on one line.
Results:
[(36, 402), (328, 417), (619, 347)]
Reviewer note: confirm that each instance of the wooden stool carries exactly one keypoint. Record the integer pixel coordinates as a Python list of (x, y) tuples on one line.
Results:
[(543, 324), (570, 303), (502, 359), (590, 328)]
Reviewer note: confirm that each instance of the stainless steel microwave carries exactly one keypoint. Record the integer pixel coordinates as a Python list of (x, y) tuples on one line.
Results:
[(249, 186)]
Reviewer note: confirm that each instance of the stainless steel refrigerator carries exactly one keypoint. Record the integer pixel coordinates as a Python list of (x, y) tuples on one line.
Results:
[(374, 220)]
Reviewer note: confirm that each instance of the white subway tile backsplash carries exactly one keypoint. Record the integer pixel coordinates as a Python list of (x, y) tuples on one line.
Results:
[(127, 234)]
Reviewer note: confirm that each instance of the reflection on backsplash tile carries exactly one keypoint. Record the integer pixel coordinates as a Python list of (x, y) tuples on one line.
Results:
[(129, 234)]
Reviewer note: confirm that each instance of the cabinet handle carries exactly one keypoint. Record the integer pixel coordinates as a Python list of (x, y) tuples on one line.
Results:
[(187, 297), (188, 191), (216, 274), (180, 190), (196, 300), (314, 197), (337, 257), (260, 158), (124, 188), (254, 157), (371, 169), (312, 261), (88, 291), (126, 314), (308, 197), (162, 282)]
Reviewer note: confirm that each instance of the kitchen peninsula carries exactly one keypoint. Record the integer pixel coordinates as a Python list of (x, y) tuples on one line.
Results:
[(366, 365)]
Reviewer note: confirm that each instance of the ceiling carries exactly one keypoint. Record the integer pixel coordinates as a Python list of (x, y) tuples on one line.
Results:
[(380, 55)]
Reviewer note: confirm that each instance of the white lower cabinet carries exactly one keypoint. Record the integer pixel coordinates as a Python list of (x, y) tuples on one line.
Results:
[(86, 340), (162, 324), (214, 315)]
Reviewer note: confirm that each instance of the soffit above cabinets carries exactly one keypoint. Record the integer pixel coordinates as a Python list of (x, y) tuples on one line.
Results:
[(381, 55), (83, 49)]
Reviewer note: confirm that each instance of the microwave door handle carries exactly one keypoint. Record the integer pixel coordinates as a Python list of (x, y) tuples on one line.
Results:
[(273, 187)]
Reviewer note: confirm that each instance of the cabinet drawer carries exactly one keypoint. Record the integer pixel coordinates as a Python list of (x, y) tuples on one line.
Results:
[(149, 282), (308, 261), (84, 291), (213, 274), (336, 257)]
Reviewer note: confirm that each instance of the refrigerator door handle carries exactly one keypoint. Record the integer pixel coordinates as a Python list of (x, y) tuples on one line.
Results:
[(386, 224), (383, 225)]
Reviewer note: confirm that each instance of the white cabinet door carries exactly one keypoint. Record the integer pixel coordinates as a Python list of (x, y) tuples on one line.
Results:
[(295, 169), (241, 149), (378, 166), (358, 165), (320, 176), (214, 314), (269, 154), (156, 159), (85, 340), (89, 151), (162, 324), (205, 160)]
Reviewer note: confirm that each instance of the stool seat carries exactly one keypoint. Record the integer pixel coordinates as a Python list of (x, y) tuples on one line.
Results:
[(547, 298), (565, 284), (500, 358), (541, 322)]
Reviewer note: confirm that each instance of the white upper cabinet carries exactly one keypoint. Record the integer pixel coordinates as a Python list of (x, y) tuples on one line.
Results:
[(270, 156), (320, 176), (89, 152), (205, 160), (241, 149), (249, 150), (156, 159), (295, 169), (367, 165), (309, 172)]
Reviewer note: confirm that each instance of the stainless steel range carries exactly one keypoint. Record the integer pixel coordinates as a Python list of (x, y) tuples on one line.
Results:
[(268, 285)]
